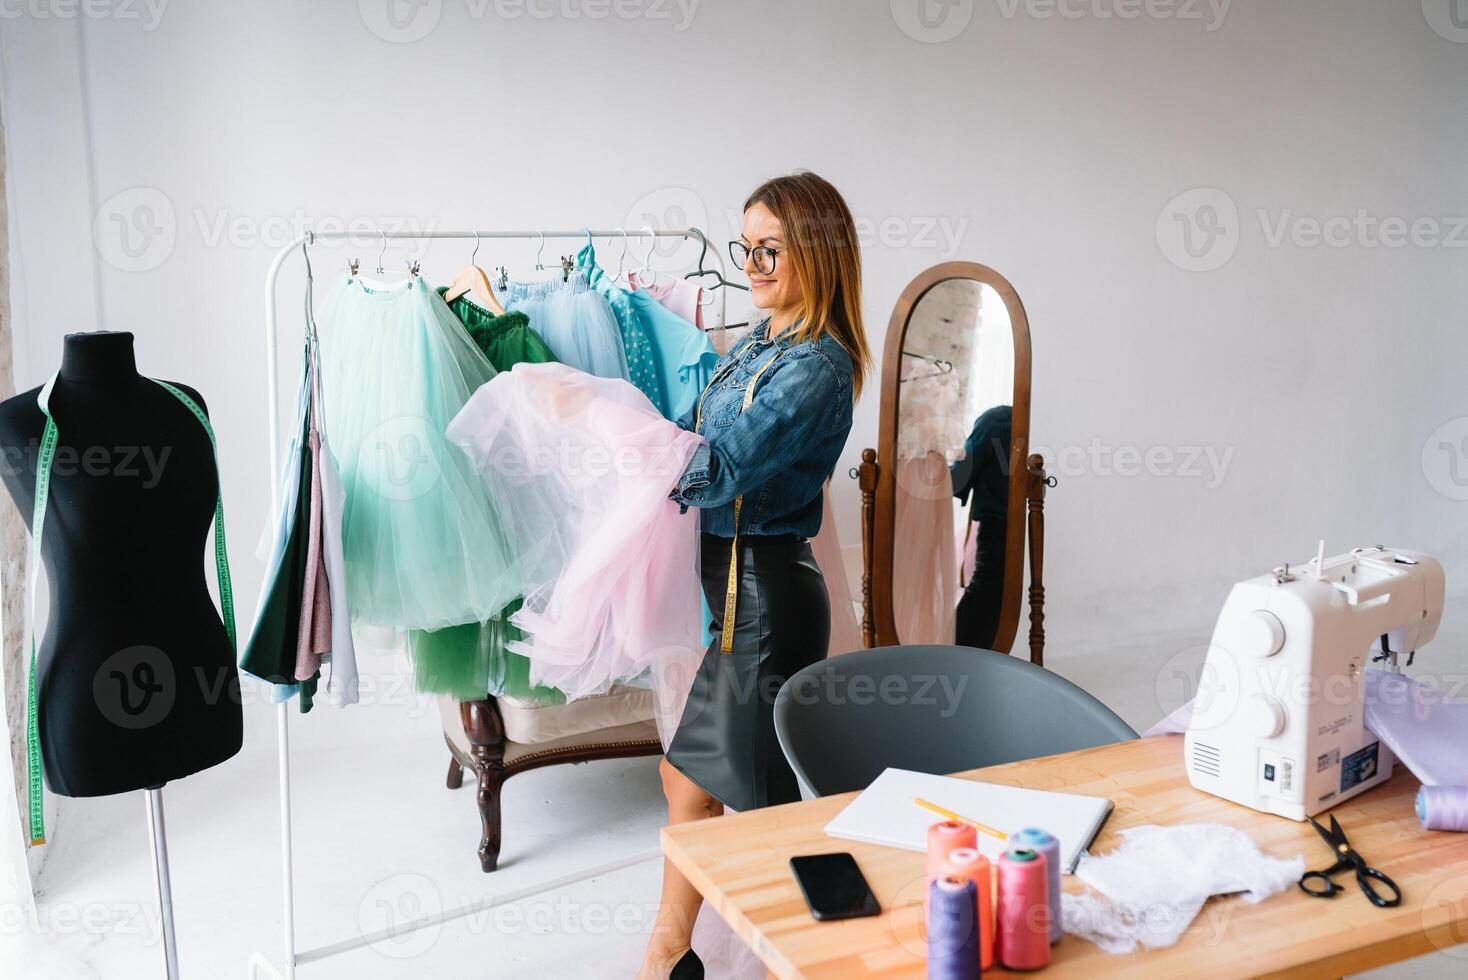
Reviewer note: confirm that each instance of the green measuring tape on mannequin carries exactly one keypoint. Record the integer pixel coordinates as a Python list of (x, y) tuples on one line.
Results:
[(47, 456)]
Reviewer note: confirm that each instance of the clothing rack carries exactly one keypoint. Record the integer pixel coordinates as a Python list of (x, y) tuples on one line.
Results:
[(302, 245)]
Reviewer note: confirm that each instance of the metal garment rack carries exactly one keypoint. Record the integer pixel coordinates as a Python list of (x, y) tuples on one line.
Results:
[(283, 710)]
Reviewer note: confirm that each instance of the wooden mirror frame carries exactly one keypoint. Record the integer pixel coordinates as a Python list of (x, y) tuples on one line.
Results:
[(1027, 478)]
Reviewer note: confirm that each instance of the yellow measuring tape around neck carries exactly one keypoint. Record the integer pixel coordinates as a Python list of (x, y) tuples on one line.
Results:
[(49, 439), (731, 596)]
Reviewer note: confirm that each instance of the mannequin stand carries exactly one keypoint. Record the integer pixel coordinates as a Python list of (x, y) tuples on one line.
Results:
[(160, 872)]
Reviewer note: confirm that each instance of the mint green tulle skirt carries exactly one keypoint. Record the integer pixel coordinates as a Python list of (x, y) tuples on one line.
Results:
[(423, 543)]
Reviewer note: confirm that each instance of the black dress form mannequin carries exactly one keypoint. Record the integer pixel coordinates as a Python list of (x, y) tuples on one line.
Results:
[(135, 682)]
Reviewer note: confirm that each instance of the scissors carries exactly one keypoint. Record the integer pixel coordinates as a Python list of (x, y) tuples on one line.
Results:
[(1326, 888)]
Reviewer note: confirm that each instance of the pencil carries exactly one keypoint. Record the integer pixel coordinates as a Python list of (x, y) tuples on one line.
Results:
[(961, 819)]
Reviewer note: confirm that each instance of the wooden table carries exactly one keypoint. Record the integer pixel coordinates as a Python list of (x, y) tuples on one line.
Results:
[(740, 864)]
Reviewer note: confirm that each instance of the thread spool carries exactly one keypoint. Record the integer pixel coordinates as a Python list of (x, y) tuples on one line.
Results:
[(1022, 932), (968, 863), (953, 940), (1043, 841), (945, 837), (1443, 807)]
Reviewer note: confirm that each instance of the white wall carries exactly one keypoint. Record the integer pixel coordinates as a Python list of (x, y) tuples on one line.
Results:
[(1054, 143), (51, 287)]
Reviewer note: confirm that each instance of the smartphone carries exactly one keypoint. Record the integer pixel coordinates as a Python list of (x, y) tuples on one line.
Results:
[(834, 887)]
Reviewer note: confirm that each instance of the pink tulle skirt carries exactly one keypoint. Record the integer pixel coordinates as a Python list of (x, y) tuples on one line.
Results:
[(580, 468)]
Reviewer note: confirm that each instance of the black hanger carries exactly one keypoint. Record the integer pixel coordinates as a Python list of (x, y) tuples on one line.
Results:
[(701, 272), (719, 280), (944, 367)]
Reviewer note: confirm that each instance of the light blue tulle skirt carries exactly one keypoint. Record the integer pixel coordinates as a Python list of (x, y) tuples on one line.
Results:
[(423, 543), (575, 321)]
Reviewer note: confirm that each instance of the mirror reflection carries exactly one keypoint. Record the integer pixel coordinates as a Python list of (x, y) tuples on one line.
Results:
[(952, 466)]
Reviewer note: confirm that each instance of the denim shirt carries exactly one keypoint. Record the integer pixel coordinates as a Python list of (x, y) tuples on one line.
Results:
[(780, 451)]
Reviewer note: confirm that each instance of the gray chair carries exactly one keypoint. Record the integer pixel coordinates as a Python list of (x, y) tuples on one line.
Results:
[(937, 709)]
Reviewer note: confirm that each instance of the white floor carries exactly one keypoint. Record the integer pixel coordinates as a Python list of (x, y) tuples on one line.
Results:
[(380, 841)]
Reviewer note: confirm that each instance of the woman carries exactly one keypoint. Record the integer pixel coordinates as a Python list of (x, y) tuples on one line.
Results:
[(775, 418)]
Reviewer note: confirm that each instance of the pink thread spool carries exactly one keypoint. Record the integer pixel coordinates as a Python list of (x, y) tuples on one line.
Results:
[(944, 837), (968, 863), (1022, 931)]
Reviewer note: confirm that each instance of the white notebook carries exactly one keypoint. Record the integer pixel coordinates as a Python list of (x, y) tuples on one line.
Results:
[(885, 813)]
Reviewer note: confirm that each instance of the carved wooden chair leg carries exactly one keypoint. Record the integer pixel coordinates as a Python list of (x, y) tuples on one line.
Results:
[(456, 773), (491, 782), (485, 728)]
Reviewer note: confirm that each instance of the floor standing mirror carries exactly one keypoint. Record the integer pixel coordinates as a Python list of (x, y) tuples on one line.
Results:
[(951, 494)]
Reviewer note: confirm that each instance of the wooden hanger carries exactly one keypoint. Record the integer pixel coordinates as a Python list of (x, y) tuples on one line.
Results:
[(472, 280)]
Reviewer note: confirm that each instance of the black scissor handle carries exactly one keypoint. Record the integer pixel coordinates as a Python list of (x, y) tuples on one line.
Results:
[(1328, 888), (1366, 875)]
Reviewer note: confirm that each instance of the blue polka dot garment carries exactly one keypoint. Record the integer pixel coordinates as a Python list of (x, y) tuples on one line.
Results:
[(642, 367)]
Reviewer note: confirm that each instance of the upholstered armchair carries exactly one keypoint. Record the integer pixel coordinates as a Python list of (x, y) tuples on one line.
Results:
[(497, 737)]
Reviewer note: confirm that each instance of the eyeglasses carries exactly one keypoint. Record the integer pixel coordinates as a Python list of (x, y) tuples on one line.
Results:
[(764, 256)]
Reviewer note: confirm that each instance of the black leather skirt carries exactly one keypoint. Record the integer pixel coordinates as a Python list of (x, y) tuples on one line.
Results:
[(976, 621), (782, 622)]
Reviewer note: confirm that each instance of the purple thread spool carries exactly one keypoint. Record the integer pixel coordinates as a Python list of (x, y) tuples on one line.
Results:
[(1443, 807), (953, 929), (1043, 841)]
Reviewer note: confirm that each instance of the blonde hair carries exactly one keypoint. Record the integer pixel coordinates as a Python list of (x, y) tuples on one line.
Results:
[(821, 247)]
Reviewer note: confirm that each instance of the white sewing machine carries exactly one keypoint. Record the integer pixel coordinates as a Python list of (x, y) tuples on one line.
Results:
[(1278, 721)]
